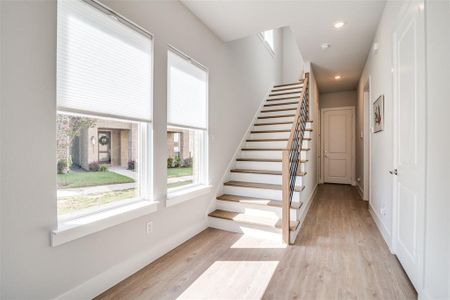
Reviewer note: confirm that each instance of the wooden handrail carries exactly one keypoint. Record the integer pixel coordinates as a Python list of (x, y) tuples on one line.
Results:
[(291, 155), (297, 112)]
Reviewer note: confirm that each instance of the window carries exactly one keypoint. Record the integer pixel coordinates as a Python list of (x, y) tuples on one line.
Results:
[(187, 118), (104, 103), (268, 39)]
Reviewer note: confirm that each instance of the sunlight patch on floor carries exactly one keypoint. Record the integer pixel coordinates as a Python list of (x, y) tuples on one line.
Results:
[(250, 242), (232, 280)]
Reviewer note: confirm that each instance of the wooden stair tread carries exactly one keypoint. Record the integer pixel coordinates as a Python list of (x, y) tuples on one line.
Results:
[(270, 149), (284, 93), (272, 123), (256, 201), (279, 109), (267, 140), (282, 98), (274, 140), (298, 86), (266, 172), (279, 116), (270, 131), (258, 185), (250, 219), (266, 160), (288, 84), (280, 104), (249, 200)]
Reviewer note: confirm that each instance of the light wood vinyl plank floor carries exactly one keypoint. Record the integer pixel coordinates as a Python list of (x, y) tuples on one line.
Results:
[(339, 254)]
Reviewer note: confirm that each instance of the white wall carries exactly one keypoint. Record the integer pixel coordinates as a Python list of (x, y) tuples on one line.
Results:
[(240, 75), (338, 99), (1, 139), (437, 236), (293, 63), (379, 66)]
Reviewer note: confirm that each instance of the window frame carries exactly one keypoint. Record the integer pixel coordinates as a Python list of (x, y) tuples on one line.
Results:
[(187, 192), (79, 225)]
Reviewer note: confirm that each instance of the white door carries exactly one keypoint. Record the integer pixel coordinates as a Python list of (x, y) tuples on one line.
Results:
[(409, 142), (338, 132)]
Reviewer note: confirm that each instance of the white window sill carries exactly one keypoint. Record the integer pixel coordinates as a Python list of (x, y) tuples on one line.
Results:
[(183, 195), (76, 228)]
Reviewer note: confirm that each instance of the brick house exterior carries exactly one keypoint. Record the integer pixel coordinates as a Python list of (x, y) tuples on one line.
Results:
[(120, 147), (178, 143)]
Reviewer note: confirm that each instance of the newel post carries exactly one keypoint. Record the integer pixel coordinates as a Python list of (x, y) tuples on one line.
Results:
[(285, 219)]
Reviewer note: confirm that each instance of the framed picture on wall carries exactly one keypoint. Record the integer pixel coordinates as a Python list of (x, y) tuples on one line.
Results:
[(378, 114)]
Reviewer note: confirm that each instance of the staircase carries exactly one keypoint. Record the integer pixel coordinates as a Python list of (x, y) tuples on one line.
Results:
[(259, 182)]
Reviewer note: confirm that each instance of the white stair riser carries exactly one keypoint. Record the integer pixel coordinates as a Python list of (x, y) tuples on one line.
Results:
[(284, 106), (264, 232), (255, 210), (270, 120), (294, 86), (255, 192), (266, 154), (277, 97), (260, 178), (297, 100), (270, 144), (273, 127), (258, 165), (265, 144), (284, 91), (277, 113), (271, 135)]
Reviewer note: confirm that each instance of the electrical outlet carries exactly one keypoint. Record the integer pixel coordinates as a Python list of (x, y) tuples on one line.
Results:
[(149, 227), (383, 211)]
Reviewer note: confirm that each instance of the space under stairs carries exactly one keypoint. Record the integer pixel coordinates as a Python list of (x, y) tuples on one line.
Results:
[(252, 196)]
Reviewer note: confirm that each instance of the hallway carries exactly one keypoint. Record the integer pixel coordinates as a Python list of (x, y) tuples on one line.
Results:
[(339, 254)]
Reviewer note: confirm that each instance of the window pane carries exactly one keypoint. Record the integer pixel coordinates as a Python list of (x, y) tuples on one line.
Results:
[(97, 162), (268, 37), (184, 152)]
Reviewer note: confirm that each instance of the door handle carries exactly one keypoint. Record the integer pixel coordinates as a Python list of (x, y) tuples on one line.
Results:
[(394, 172)]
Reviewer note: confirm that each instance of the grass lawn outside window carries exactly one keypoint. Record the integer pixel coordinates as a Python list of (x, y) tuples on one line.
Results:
[(177, 172), (85, 179)]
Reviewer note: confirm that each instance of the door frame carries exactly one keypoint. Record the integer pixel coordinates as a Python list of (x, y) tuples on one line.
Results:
[(367, 139), (353, 148)]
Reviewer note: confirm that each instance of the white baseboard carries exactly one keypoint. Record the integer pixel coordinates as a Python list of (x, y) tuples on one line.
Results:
[(360, 190), (423, 296), (384, 232), (121, 271)]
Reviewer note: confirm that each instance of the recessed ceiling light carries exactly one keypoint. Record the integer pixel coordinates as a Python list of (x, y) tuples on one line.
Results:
[(339, 24), (337, 77), (325, 46)]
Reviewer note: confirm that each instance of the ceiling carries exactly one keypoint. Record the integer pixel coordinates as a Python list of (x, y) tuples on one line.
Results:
[(312, 24)]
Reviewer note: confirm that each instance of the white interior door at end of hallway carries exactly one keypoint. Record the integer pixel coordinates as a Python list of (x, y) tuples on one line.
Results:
[(409, 142), (337, 144)]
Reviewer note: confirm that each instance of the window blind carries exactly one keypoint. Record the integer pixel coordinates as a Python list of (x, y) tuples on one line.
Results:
[(103, 66), (187, 93)]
